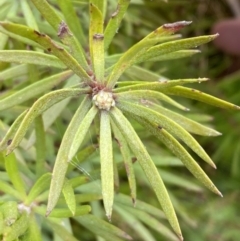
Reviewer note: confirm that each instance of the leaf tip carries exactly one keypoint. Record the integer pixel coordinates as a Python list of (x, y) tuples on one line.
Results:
[(9, 151), (109, 217), (47, 213), (220, 194), (134, 202), (176, 26)]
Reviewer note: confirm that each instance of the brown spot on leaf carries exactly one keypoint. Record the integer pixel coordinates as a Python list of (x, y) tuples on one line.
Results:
[(134, 159), (98, 36), (39, 34), (49, 49), (63, 30), (159, 127), (9, 142)]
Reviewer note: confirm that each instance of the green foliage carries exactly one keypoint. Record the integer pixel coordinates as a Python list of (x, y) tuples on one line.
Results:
[(106, 93)]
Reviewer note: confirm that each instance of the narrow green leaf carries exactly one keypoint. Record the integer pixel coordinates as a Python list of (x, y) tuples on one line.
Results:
[(173, 46), (170, 125), (82, 155), (186, 123), (40, 146), (139, 73), (30, 57), (33, 231), (100, 4), (7, 189), (14, 174), (81, 132), (181, 153), (41, 105), (61, 163), (28, 14), (139, 95), (200, 96), (48, 12), (127, 161), (148, 167), (132, 55), (175, 55), (63, 30), (173, 179), (151, 222), (18, 228), (102, 228), (34, 90), (64, 212), (62, 232), (83, 198), (160, 85), (136, 225), (40, 186), (69, 196), (87, 197), (143, 206), (115, 22), (72, 19), (7, 139), (13, 72), (106, 158), (49, 45), (77, 181), (16, 36), (96, 42)]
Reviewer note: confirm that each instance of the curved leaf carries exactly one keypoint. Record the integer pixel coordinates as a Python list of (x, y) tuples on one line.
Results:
[(200, 96), (159, 86), (147, 94), (41, 105), (63, 30), (186, 123), (61, 163), (33, 90), (152, 222), (181, 153), (49, 45), (41, 185), (148, 167), (165, 122), (173, 46), (135, 224), (7, 139), (30, 57), (102, 228)]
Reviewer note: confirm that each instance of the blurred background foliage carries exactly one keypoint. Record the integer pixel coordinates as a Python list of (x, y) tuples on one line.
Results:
[(203, 216)]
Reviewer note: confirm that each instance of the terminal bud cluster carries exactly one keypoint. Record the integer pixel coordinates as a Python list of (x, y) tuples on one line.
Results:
[(104, 100)]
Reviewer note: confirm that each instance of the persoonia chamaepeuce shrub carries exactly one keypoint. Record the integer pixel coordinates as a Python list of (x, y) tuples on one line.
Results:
[(107, 99)]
